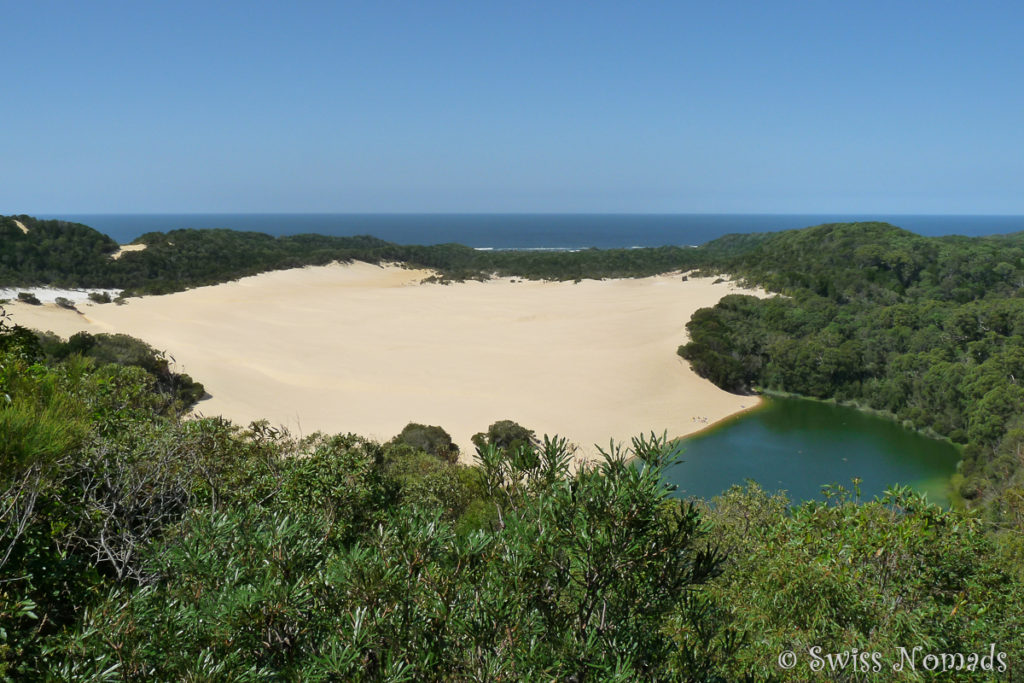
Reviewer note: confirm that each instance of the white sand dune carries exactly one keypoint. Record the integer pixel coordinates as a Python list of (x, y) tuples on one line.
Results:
[(368, 349), (21, 226)]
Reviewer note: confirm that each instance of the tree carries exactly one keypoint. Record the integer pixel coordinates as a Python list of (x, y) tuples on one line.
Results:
[(430, 439)]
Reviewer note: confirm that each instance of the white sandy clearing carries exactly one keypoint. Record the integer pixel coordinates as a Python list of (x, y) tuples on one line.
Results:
[(21, 226), (367, 349), (48, 295), (125, 248)]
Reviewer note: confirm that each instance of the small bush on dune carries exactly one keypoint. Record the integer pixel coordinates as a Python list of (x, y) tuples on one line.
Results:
[(506, 435), (29, 298), (429, 438)]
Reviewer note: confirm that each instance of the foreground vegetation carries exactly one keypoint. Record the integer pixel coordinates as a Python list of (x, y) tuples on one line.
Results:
[(135, 545)]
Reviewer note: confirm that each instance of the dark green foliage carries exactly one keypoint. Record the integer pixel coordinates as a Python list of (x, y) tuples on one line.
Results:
[(66, 254), (430, 439), (575, 582), (505, 435), (872, 576), (28, 298), (188, 258), (929, 330), (53, 253), (122, 349), (99, 297), (18, 341), (717, 351)]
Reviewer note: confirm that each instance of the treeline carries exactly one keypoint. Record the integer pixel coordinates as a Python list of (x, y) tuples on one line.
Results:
[(930, 330), (135, 545), (867, 262), (53, 253), (184, 258), (73, 255)]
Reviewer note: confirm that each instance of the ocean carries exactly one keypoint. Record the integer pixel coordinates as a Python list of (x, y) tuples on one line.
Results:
[(530, 231)]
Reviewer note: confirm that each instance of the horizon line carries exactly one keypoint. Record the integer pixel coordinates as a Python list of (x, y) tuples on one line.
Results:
[(511, 213)]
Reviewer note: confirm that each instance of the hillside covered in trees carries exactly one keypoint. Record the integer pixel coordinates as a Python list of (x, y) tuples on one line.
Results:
[(53, 253), (73, 255), (930, 330)]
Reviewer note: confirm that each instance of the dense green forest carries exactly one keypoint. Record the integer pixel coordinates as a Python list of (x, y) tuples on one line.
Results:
[(181, 259), (930, 330), (53, 253), (137, 545)]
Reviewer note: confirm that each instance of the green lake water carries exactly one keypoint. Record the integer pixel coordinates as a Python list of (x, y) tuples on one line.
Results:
[(798, 445)]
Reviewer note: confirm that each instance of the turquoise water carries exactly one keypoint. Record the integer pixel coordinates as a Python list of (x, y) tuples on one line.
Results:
[(797, 446)]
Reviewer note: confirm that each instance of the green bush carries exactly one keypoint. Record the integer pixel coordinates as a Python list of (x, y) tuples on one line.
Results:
[(430, 439), (505, 435), (577, 581), (122, 349), (876, 576)]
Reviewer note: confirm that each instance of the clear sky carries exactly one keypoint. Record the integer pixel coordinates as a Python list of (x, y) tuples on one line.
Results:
[(377, 106)]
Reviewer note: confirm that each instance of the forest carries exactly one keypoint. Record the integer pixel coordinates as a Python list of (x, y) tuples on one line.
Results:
[(137, 543), (181, 259), (927, 330)]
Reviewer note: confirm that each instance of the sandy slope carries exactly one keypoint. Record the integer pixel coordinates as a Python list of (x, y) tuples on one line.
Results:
[(367, 349), (126, 248)]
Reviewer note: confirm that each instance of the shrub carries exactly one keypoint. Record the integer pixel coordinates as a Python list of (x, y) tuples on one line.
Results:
[(505, 435), (28, 298), (429, 438), (99, 297), (64, 302), (577, 583)]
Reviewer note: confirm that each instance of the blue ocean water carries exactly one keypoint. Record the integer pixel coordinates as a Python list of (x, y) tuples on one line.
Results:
[(526, 231)]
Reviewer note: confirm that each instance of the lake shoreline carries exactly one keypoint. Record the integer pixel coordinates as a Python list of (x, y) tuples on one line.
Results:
[(868, 410), (800, 446)]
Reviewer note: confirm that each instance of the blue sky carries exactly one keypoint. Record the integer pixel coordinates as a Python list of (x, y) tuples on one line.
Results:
[(662, 107)]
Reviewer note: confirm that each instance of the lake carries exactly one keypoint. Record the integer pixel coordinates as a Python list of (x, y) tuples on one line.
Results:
[(799, 445)]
